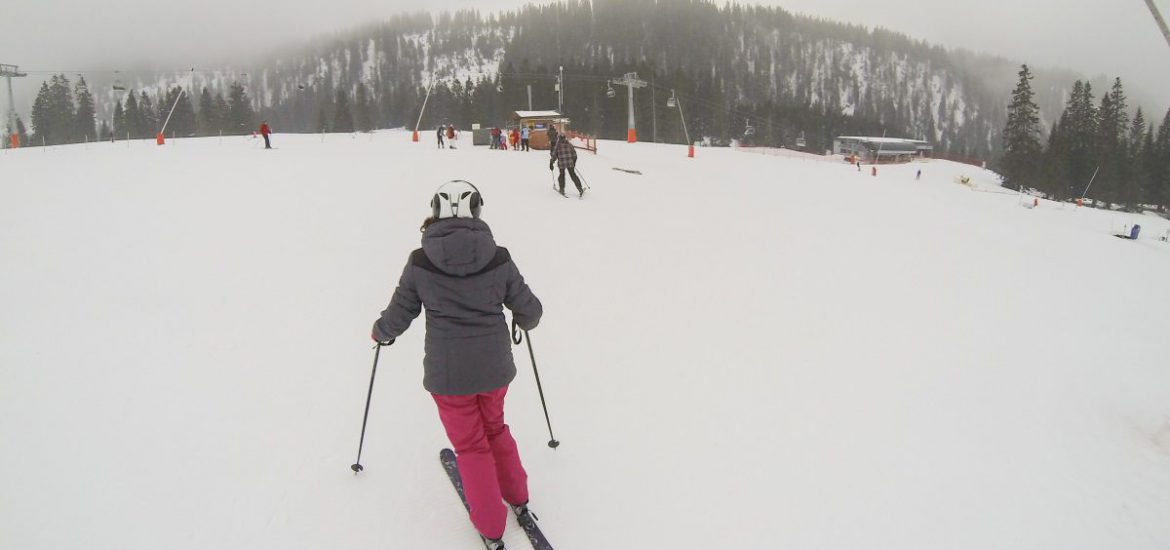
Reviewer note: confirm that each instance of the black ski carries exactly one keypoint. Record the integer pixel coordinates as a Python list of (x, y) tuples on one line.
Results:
[(527, 521), (447, 457)]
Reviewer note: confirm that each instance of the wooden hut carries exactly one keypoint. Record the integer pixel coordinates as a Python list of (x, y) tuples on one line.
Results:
[(538, 123)]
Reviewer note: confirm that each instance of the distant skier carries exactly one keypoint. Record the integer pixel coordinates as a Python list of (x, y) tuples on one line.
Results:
[(918, 176), (858, 165), (524, 133), (495, 134), (552, 135), (264, 131), (441, 131), (565, 155), (873, 171), (463, 281)]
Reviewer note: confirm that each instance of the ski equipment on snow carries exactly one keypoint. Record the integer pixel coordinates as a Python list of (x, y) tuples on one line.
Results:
[(524, 517), (516, 338), (357, 466)]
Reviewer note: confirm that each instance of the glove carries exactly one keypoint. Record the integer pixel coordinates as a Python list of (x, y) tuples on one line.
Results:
[(381, 342)]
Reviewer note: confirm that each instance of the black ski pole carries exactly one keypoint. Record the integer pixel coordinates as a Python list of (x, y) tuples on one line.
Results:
[(581, 175), (357, 466), (516, 337)]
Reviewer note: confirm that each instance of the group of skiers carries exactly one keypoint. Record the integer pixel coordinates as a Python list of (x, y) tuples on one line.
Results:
[(447, 130), (516, 138)]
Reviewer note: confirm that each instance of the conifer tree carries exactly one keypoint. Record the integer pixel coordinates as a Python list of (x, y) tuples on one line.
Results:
[(342, 118), (1111, 146), (1160, 160), (148, 115), (1133, 186), (363, 110), (84, 119), (208, 125), (1080, 132), (41, 115), (219, 113), (241, 119), (1021, 135), (120, 126)]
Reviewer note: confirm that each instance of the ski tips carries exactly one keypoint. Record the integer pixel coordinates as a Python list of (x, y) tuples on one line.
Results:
[(356, 468)]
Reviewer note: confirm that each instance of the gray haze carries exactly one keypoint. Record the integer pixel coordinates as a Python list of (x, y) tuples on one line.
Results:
[(1094, 37)]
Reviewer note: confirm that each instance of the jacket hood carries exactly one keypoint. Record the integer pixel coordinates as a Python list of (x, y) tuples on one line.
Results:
[(459, 246)]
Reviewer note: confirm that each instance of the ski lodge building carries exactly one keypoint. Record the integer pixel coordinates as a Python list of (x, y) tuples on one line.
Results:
[(882, 149)]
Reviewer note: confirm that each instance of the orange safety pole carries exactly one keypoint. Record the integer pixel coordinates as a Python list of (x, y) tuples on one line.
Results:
[(160, 139), (631, 135), (14, 140), (691, 151)]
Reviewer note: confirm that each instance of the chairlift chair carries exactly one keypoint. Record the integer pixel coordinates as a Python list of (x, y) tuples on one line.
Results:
[(609, 91), (672, 101)]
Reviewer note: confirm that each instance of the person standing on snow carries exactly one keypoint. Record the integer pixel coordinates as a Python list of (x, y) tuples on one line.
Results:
[(464, 280), (264, 131), (563, 153), (439, 134), (524, 138)]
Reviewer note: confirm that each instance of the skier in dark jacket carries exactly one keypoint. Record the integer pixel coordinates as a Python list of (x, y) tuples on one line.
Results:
[(565, 155), (463, 281), (439, 134)]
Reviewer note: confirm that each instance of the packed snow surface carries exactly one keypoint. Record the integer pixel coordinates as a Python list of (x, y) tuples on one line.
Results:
[(738, 351)]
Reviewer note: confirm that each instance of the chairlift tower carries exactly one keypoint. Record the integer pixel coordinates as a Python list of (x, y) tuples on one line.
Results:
[(631, 81), (8, 72)]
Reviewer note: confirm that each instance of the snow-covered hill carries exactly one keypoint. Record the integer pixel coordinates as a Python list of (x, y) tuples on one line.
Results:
[(739, 350)]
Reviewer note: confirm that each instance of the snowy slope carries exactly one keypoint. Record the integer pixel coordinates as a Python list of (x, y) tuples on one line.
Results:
[(739, 350)]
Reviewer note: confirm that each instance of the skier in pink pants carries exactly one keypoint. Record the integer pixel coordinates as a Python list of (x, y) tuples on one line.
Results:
[(459, 276)]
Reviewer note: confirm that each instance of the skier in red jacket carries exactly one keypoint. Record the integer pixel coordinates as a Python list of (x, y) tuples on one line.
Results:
[(264, 131)]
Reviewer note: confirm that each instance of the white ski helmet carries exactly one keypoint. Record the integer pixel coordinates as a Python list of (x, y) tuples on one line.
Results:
[(456, 199)]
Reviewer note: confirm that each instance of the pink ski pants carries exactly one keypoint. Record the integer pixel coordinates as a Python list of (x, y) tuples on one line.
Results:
[(487, 457)]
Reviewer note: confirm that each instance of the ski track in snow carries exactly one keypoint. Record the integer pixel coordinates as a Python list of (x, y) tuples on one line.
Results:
[(746, 350)]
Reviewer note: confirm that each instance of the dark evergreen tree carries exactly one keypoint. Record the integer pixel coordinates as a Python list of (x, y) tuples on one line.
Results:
[(42, 116), (241, 119), (84, 119), (1080, 133), (121, 128), (135, 121), (1160, 163), (363, 110), (219, 113), (1021, 136), (1111, 148), (342, 117), (208, 125), (1133, 187)]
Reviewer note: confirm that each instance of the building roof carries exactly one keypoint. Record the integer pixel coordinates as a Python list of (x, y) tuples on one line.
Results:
[(536, 114), (885, 140)]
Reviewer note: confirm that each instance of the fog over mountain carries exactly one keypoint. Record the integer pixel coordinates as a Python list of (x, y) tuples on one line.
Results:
[(223, 41)]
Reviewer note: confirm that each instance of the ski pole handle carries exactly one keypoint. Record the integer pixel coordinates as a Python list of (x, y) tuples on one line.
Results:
[(517, 336)]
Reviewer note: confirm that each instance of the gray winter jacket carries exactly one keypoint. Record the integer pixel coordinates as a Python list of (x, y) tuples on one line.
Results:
[(463, 280)]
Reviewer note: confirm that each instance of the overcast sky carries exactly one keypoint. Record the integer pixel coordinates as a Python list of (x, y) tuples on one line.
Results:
[(1095, 37)]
